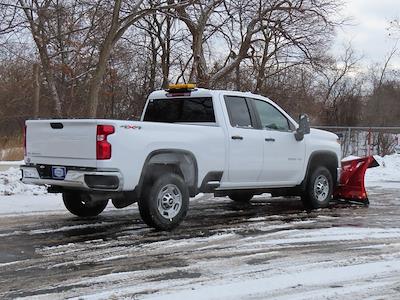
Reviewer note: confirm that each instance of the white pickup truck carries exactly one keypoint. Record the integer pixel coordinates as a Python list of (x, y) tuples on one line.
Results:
[(188, 141)]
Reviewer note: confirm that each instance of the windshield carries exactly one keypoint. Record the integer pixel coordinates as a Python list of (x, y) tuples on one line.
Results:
[(180, 110)]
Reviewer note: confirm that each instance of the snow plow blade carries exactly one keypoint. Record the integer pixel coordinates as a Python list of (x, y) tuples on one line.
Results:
[(351, 184)]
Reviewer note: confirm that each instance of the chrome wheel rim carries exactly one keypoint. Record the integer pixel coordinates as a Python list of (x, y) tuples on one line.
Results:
[(321, 188), (169, 201)]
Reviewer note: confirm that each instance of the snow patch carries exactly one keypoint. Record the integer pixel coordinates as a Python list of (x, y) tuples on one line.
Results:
[(28, 204), (350, 157), (387, 175), (15, 163), (260, 287), (10, 184)]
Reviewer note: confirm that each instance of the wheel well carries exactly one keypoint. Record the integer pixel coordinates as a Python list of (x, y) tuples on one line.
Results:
[(178, 162), (326, 159)]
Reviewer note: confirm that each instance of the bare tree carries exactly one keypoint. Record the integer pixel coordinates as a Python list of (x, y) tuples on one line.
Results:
[(394, 29), (9, 20), (382, 107), (103, 57), (197, 17), (36, 90), (116, 29), (385, 67), (338, 90), (336, 71), (245, 25), (37, 16), (158, 26), (122, 18)]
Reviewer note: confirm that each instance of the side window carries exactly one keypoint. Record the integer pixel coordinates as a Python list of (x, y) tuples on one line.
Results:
[(270, 117), (238, 111)]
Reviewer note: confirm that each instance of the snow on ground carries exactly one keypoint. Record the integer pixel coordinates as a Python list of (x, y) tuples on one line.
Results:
[(387, 175), (10, 184), (5, 165), (16, 197), (15, 163), (295, 263), (26, 204), (337, 253), (263, 286)]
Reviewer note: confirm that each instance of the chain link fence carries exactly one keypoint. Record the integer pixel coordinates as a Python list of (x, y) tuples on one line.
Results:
[(363, 141), (357, 141)]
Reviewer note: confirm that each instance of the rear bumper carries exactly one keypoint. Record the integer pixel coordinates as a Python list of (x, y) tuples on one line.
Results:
[(93, 180)]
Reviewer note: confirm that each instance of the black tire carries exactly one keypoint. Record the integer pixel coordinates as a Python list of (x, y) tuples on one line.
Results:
[(155, 206), (79, 204), (319, 189), (240, 196)]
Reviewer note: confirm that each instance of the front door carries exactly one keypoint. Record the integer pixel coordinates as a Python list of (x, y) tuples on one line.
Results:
[(283, 156)]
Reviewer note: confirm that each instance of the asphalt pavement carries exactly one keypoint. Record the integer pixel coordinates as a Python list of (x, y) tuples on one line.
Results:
[(221, 245)]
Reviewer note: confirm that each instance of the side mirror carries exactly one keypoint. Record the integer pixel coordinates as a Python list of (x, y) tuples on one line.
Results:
[(304, 127)]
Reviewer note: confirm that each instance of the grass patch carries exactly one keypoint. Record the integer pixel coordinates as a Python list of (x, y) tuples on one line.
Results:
[(11, 147)]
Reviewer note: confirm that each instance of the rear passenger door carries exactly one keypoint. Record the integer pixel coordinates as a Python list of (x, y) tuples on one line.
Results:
[(245, 143)]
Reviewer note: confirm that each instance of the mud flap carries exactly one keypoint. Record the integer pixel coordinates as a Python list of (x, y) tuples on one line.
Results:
[(351, 184)]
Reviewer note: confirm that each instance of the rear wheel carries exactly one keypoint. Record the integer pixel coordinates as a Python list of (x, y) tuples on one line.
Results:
[(319, 189), (80, 204), (241, 196), (164, 205)]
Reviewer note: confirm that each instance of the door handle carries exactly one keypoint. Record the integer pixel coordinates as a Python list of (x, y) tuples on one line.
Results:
[(237, 137), (270, 140)]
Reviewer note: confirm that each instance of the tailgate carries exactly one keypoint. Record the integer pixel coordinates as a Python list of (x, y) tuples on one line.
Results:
[(61, 142)]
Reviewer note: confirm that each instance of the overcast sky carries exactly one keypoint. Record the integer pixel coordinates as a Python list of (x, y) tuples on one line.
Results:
[(368, 34)]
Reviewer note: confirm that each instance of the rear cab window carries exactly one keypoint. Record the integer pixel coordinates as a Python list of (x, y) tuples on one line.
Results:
[(198, 110)]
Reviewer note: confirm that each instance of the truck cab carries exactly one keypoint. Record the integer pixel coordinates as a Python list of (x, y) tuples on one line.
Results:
[(189, 140)]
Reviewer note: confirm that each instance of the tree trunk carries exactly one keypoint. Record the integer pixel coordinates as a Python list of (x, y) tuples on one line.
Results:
[(199, 71), (261, 72), (166, 54), (153, 65), (50, 78), (244, 47), (36, 90), (41, 43), (95, 82), (237, 75), (105, 50)]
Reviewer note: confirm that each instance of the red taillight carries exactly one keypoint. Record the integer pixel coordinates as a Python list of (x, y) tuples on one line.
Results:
[(103, 147), (24, 133)]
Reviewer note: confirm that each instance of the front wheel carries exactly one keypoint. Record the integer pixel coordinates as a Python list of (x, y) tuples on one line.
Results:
[(80, 204), (164, 205), (319, 189)]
